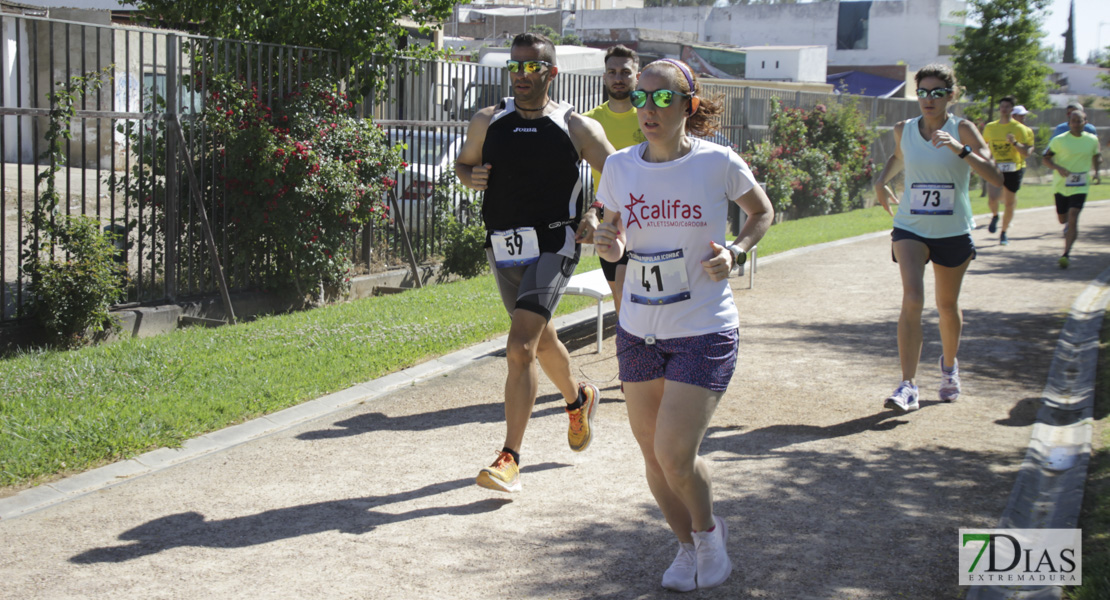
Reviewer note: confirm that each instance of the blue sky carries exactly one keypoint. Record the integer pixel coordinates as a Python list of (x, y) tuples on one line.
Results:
[(1092, 25)]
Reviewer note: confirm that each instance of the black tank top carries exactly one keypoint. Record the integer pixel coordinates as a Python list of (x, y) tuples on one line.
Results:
[(535, 180)]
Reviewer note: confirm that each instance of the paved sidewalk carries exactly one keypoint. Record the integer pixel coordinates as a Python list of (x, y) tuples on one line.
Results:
[(827, 495)]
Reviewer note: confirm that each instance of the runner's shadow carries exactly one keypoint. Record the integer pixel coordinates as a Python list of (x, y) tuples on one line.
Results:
[(765, 439), (355, 516), (1022, 414), (450, 417), (376, 421)]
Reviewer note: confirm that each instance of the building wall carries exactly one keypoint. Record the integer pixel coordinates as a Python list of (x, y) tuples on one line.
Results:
[(813, 64), (911, 31), (561, 4), (17, 130), (772, 64), (76, 51), (82, 4), (1082, 80), (498, 26), (779, 63)]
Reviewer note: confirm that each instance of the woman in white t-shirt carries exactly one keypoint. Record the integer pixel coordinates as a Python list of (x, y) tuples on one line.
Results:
[(677, 331)]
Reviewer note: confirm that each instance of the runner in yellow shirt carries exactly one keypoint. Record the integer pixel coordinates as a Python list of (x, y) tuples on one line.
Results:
[(622, 128), (1010, 143)]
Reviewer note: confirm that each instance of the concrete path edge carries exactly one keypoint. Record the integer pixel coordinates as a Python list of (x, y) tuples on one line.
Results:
[(1048, 492)]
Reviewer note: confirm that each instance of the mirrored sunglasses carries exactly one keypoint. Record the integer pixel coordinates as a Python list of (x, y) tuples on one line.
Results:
[(661, 98), (530, 66), (933, 93)]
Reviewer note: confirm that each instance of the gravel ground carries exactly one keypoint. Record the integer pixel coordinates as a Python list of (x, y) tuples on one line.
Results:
[(827, 495)]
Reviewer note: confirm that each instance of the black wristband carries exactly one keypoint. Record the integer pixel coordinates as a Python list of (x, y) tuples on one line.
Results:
[(966, 151)]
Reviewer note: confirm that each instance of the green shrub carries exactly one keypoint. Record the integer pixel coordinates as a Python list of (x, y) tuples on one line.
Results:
[(815, 162), (71, 295), (301, 178), (72, 267), (293, 182), (458, 213)]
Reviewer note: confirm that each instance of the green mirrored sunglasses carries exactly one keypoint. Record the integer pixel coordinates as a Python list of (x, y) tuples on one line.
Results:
[(661, 98), (933, 93)]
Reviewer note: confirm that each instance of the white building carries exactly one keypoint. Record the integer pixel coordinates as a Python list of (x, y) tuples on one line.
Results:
[(1076, 80), (913, 32), (786, 63)]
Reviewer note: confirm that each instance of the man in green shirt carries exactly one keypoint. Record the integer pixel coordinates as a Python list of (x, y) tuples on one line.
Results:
[(1071, 156)]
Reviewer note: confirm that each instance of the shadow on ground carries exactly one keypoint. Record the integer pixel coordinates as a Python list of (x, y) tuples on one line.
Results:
[(793, 534), (999, 345), (1094, 239)]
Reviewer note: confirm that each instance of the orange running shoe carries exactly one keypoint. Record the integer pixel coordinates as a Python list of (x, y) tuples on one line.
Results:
[(502, 476), (581, 430)]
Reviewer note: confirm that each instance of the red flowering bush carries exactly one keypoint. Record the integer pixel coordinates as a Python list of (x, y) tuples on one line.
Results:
[(815, 162), (291, 184), (299, 179)]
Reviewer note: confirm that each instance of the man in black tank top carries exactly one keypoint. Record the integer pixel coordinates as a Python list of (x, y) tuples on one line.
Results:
[(524, 153)]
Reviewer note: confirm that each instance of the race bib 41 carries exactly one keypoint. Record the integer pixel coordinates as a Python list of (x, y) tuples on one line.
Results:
[(658, 278)]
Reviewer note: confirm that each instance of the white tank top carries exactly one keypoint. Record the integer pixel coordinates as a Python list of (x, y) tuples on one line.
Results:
[(935, 203)]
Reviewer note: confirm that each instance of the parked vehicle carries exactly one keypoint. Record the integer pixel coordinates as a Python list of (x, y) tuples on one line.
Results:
[(430, 155), (470, 88)]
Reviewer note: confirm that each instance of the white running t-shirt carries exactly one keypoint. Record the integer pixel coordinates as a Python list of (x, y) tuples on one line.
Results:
[(671, 211)]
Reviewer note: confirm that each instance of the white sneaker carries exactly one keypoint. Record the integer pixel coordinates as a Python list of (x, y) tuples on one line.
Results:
[(681, 575), (714, 566), (904, 398), (949, 381)]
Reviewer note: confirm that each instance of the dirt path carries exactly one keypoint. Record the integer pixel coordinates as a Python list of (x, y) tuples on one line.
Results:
[(827, 494)]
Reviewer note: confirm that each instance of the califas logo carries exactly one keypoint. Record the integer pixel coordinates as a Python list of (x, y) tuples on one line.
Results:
[(663, 212), (525, 130), (1026, 557)]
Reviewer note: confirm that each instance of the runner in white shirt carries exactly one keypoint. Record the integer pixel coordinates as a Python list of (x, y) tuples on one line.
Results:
[(677, 331)]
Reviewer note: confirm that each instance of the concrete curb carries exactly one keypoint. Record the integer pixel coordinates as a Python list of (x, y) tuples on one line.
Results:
[(1048, 493)]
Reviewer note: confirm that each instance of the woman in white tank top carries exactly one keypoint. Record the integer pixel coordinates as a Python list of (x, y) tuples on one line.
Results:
[(938, 152)]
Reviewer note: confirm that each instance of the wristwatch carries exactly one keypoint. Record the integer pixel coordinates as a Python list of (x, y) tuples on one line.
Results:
[(966, 151), (738, 254)]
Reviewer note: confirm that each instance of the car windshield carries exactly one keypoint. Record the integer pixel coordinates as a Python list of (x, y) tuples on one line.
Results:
[(424, 149)]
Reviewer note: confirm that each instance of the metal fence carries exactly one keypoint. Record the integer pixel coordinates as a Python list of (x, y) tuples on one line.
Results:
[(125, 161)]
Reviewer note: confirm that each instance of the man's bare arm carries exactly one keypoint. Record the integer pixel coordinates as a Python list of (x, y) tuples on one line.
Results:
[(468, 166), (589, 137)]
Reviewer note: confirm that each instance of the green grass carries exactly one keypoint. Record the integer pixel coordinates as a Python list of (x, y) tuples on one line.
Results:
[(62, 412), (1094, 519), (69, 411)]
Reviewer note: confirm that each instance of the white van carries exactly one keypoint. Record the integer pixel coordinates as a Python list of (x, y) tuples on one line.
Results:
[(486, 83)]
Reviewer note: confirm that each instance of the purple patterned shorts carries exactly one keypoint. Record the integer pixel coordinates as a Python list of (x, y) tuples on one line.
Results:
[(706, 361)]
